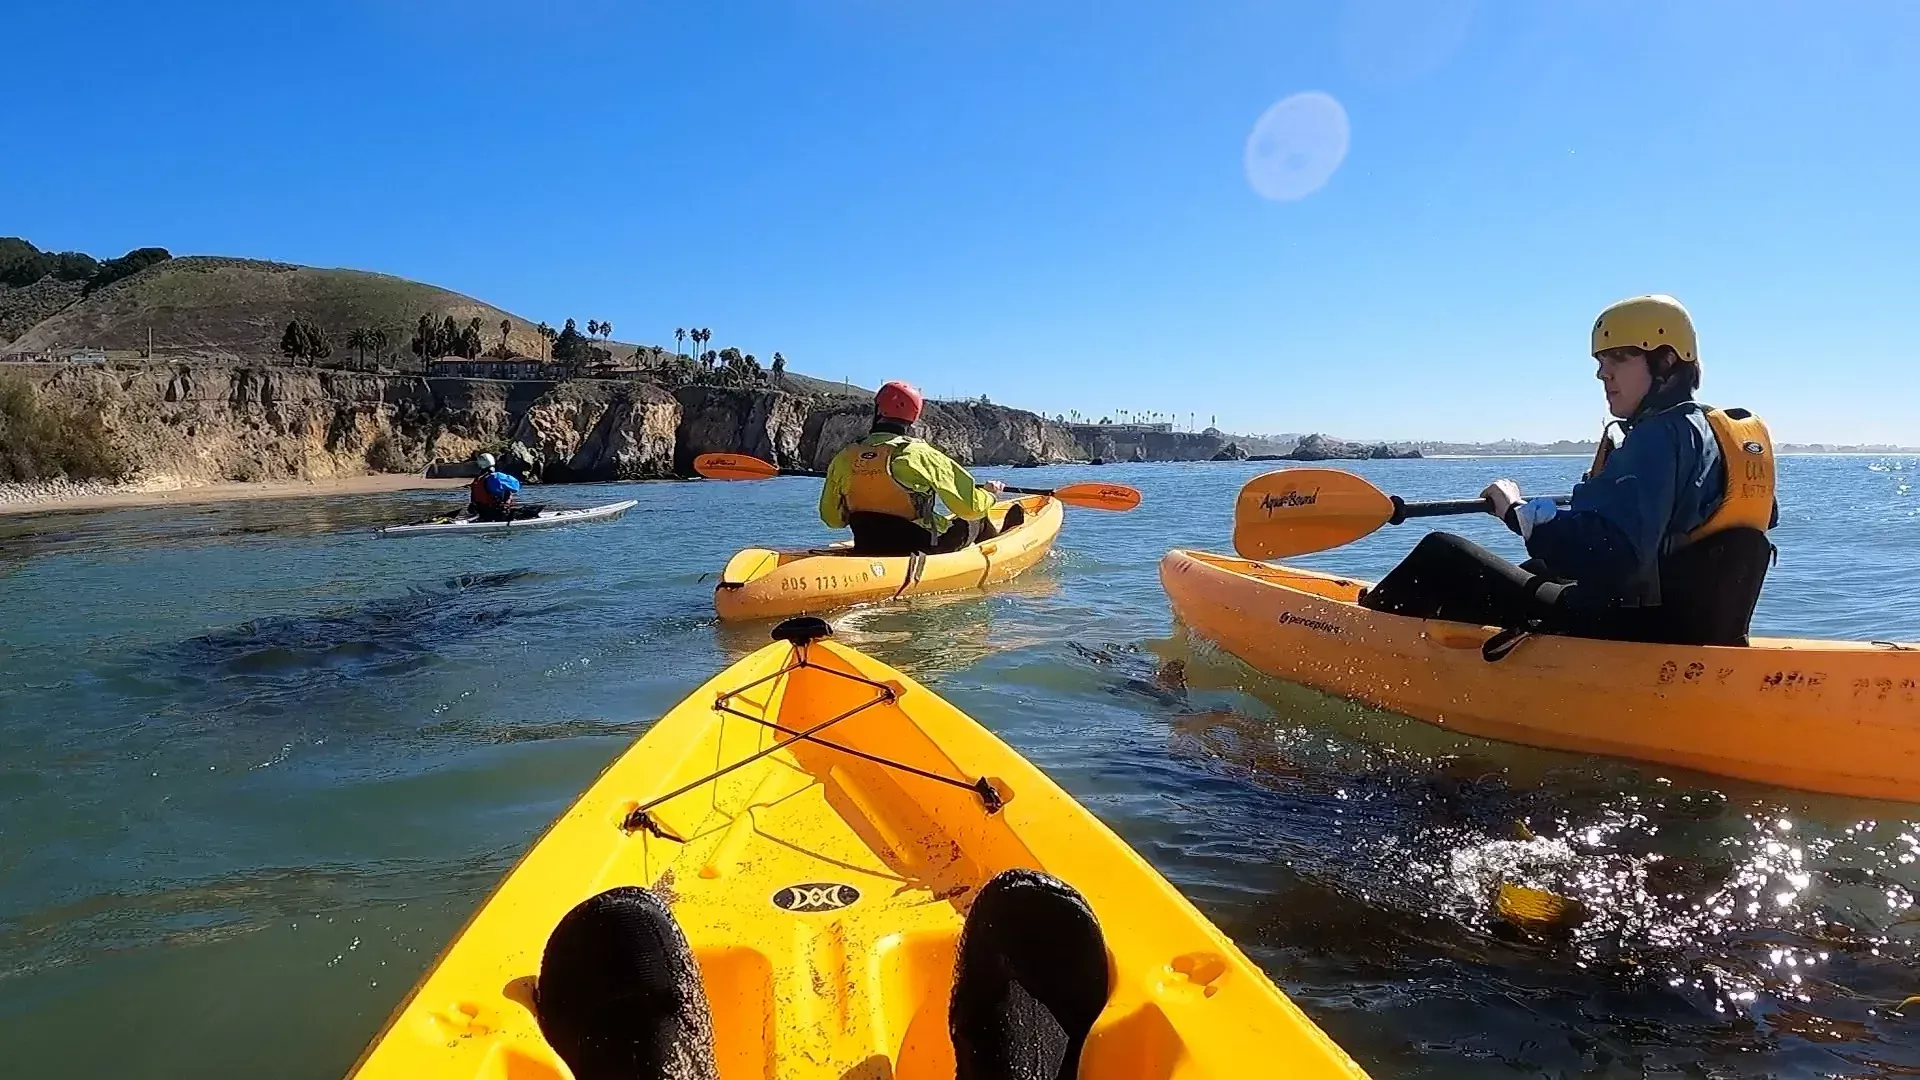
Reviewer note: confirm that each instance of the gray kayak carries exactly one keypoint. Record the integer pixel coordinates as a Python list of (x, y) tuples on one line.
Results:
[(546, 519)]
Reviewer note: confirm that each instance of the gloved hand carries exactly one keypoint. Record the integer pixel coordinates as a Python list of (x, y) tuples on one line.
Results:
[(1502, 495), (994, 487), (1528, 515)]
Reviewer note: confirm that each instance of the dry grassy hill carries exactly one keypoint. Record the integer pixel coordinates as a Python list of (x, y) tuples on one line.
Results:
[(238, 308), (211, 307)]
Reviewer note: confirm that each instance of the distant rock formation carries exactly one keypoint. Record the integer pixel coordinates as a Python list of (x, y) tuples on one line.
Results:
[(1230, 452), (1323, 448)]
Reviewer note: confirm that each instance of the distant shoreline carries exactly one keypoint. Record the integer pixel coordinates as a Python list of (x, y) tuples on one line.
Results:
[(16, 499)]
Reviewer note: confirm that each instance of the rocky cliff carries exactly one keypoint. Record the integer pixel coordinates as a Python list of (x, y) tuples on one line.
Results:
[(180, 425), (972, 434), (1133, 444), (598, 431)]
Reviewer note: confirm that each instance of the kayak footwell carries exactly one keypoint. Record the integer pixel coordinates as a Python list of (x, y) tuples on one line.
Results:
[(819, 824)]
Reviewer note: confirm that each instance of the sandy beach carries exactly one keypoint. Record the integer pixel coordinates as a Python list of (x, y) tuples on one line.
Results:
[(39, 498)]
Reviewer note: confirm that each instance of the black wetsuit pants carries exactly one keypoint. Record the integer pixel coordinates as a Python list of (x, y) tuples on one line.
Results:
[(1450, 577)]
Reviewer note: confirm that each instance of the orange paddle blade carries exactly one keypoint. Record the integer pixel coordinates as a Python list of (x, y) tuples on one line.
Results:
[(733, 467), (1116, 497), (1294, 511)]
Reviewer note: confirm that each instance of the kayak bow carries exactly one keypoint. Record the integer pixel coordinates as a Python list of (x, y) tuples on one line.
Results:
[(819, 823)]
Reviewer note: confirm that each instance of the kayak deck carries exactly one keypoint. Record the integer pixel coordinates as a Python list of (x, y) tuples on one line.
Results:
[(547, 519), (822, 885), (764, 583), (1833, 716)]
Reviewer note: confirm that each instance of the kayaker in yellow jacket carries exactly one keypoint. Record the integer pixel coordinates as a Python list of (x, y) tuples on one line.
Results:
[(1666, 537), (888, 486)]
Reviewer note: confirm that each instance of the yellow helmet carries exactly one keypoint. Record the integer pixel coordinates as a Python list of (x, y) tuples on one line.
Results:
[(1647, 322)]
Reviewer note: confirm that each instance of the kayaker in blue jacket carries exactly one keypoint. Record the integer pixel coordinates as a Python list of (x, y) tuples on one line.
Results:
[(1665, 538), (493, 494)]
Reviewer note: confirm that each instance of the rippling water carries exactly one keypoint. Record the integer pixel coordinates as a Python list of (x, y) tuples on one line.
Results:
[(256, 767)]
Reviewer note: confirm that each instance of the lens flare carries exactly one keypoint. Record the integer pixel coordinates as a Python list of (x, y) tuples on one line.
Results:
[(1296, 146)]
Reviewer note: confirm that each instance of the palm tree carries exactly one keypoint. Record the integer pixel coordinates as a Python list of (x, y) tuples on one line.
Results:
[(706, 336), (779, 368), (593, 327), (679, 335), (606, 330), (377, 341), (423, 337), (358, 339)]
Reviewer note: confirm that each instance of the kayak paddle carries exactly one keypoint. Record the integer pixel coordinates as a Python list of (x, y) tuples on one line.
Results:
[(1296, 511), (1115, 497)]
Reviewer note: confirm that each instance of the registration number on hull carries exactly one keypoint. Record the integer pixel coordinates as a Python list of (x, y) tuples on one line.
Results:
[(825, 582)]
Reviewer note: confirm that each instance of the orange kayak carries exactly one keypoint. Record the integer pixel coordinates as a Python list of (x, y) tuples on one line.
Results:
[(1832, 716)]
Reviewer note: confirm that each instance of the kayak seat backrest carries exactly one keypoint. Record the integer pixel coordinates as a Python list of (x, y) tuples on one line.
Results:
[(885, 535), (1708, 589)]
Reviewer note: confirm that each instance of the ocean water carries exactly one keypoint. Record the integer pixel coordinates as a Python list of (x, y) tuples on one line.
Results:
[(256, 766)]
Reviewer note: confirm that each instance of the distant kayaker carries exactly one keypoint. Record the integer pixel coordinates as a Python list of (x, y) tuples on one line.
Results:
[(493, 495), (885, 487), (1666, 537)]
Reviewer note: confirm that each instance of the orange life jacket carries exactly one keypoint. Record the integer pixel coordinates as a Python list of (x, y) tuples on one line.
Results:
[(1746, 455), (873, 489), (1746, 452), (479, 493)]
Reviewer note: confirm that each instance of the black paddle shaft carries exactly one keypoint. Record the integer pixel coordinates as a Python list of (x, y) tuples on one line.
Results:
[(1402, 510), (1015, 490)]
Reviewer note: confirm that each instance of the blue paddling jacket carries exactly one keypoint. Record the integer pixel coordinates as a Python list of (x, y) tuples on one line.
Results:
[(1661, 483), (492, 489)]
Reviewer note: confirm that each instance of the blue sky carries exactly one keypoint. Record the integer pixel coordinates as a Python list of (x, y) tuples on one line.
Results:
[(1046, 202)]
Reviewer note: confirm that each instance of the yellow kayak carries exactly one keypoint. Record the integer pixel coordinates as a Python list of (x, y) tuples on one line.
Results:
[(1833, 716), (761, 583), (822, 882)]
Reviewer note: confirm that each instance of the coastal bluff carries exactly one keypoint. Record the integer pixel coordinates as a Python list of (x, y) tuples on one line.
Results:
[(191, 424)]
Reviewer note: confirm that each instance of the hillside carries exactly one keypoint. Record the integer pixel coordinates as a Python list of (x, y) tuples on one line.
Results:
[(216, 308), (237, 308)]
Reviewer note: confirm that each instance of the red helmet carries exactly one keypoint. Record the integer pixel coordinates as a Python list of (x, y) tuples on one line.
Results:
[(898, 401)]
